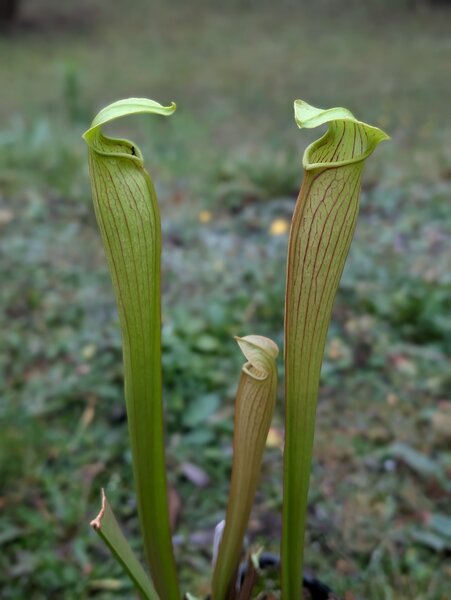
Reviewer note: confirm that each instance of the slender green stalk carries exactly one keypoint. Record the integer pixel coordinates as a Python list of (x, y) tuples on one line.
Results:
[(254, 408), (108, 529), (321, 233), (128, 217)]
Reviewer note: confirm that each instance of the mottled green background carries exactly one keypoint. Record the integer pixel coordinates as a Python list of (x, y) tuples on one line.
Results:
[(227, 169)]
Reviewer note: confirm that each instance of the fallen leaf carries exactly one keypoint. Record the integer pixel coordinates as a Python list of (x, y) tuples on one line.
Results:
[(195, 474), (275, 438), (175, 504)]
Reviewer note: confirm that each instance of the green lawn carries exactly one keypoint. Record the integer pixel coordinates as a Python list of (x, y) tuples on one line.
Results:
[(227, 166)]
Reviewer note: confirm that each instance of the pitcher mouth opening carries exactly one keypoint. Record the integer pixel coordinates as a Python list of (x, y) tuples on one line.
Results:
[(346, 141)]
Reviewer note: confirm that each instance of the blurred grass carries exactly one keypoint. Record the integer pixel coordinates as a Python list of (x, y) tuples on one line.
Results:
[(227, 167)]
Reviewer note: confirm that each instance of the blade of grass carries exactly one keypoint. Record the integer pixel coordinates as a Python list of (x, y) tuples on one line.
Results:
[(127, 213), (320, 236), (107, 527), (254, 408)]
